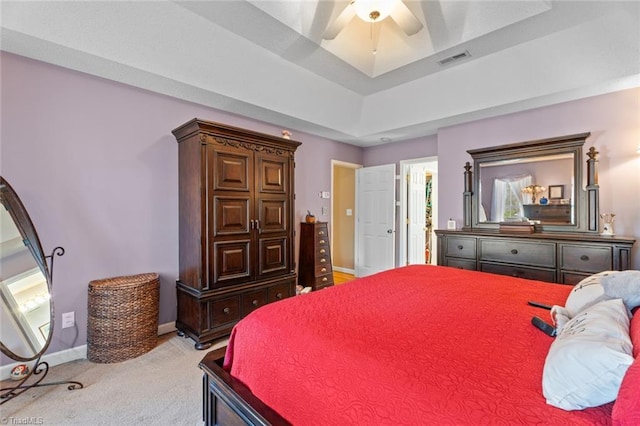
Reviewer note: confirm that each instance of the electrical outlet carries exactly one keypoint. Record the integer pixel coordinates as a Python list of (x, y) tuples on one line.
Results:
[(68, 319)]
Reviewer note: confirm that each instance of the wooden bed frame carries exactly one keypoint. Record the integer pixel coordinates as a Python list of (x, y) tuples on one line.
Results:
[(227, 401)]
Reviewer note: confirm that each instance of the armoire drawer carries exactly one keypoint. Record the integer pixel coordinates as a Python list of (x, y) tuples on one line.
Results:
[(536, 253), (461, 247), (253, 300), (519, 271), (584, 258), (225, 310), (279, 292)]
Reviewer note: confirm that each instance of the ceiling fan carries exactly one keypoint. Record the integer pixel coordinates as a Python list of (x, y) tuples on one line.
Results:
[(375, 11)]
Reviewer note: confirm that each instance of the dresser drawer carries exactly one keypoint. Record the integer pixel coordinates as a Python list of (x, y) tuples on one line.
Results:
[(519, 271), (512, 251), (461, 263), (225, 310), (585, 258), (461, 247), (322, 269), (253, 300), (572, 278), (324, 280)]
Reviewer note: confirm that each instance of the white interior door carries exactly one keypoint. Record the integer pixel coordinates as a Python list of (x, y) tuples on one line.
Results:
[(376, 221), (416, 206)]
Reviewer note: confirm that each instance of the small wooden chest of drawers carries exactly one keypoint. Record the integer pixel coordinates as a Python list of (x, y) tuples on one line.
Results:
[(314, 266)]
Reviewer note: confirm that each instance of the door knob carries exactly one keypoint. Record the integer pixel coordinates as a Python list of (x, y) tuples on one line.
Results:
[(389, 231)]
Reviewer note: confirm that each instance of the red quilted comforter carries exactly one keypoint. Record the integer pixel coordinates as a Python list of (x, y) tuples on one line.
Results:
[(415, 345)]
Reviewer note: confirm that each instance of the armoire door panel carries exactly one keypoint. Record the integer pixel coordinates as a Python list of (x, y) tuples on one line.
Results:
[(272, 215), (231, 215), (231, 262), (272, 175), (273, 255), (231, 171)]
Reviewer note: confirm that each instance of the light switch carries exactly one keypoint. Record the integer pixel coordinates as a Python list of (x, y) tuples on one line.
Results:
[(326, 194), (349, 212)]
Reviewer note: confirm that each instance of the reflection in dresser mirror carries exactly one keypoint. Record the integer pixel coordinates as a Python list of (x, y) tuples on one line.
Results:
[(540, 181)]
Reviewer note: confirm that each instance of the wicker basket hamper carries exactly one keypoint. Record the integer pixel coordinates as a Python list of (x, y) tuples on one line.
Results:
[(123, 317)]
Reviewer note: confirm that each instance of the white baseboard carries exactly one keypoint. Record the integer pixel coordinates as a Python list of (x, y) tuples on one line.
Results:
[(68, 355), (345, 270)]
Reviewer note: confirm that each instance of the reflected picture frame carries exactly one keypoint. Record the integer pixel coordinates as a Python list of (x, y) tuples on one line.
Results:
[(556, 192)]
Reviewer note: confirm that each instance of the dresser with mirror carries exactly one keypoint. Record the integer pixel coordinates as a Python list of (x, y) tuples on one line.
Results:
[(546, 189)]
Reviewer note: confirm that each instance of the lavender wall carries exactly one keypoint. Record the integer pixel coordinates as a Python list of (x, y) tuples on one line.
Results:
[(614, 122), (95, 164), (394, 152)]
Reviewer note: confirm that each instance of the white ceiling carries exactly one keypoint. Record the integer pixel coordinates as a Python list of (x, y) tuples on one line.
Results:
[(267, 59)]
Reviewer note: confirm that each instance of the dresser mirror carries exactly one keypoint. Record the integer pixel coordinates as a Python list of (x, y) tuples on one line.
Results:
[(25, 307), (539, 181)]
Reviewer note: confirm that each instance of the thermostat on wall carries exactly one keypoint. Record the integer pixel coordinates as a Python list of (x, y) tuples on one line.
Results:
[(451, 224)]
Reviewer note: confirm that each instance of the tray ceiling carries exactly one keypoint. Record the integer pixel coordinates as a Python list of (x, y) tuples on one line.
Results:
[(268, 60)]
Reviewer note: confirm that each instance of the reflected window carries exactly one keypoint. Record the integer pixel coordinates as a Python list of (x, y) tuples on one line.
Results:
[(507, 198)]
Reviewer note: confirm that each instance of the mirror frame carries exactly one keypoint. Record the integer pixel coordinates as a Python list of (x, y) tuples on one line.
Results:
[(586, 198), (11, 202)]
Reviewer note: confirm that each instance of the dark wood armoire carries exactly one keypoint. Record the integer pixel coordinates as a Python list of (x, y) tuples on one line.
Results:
[(236, 234)]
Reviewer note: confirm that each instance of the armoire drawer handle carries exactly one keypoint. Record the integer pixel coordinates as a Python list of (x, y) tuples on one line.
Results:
[(514, 251), (323, 270), (460, 247), (254, 302), (584, 257), (322, 241), (279, 296), (323, 251), (226, 311)]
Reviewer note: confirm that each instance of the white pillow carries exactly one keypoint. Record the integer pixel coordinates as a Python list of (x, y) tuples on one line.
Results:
[(589, 357), (586, 293), (624, 285)]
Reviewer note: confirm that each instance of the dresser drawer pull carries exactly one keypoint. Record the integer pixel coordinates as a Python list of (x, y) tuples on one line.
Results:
[(584, 257), (323, 270), (514, 251), (278, 296), (323, 260), (321, 233), (460, 247), (254, 302), (226, 311), (322, 241), (324, 280), (323, 251)]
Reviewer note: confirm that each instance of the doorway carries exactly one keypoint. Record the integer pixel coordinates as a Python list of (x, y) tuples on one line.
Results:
[(343, 216), (418, 211)]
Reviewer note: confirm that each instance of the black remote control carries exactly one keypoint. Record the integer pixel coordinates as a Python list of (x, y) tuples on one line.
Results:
[(539, 305), (547, 328)]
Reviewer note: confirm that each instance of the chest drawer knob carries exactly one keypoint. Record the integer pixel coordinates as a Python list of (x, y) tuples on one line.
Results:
[(322, 242), (323, 270), (323, 260), (279, 296), (323, 251), (254, 302), (325, 279), (514, 251), (321, 233), (226, 311), (584, 257), (460, 247)]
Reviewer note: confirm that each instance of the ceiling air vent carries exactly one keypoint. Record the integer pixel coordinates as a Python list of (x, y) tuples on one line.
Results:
[(454, 58)]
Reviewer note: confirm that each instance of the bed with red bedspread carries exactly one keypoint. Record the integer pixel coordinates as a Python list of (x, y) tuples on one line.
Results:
[(414, 345)]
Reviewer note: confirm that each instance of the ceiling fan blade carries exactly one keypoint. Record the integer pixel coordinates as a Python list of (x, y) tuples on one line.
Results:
[(405, 18), (339, 23)]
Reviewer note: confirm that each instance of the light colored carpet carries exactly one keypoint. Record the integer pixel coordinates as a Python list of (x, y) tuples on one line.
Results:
[(161, 387)]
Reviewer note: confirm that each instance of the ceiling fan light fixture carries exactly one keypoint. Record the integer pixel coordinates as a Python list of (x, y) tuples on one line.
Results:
[(373, 10)]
